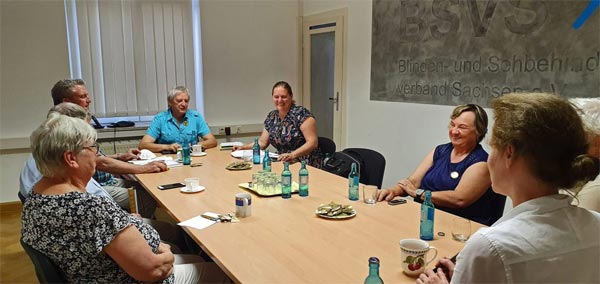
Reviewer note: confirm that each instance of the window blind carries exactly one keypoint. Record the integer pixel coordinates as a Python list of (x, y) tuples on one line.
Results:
[(132, 52)]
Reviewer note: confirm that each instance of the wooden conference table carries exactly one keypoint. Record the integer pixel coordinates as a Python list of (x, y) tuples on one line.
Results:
[(284, 241)]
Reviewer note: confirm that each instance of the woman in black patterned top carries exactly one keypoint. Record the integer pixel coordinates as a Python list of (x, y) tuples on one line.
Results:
[(290, 128), (89, 237)]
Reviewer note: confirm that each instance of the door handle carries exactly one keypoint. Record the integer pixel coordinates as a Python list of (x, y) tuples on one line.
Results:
[(336, 101)]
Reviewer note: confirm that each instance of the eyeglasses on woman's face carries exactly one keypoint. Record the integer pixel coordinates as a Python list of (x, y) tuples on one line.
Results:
[(93, 147)]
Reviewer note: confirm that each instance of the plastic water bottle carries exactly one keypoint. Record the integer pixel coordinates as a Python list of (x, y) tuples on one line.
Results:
[(427, 215), (267, 161), (303, 180), (373, 277), (286, 181), (353, 180), (256, 152)]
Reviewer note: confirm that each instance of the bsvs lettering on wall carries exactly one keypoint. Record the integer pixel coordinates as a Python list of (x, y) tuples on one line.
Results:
[(521, 17), (469, 51)]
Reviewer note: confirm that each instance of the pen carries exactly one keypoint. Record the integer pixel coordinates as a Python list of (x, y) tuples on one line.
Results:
[(196, 165), (212, 218)]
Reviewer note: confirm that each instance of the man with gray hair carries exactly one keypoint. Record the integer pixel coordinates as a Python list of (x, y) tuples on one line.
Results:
[(177, 125), (74, 91)]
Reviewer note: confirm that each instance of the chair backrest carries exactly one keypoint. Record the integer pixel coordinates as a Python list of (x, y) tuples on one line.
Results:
[(45, 269), (372, 165), (339, 164), (21, 197), (326, 145), (499, 202)]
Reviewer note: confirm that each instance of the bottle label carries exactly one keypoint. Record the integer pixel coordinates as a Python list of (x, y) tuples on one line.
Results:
[(303, 180), (286, 180)]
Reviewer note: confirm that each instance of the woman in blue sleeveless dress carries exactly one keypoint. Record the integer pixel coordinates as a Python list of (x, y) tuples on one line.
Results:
[(456, 172)]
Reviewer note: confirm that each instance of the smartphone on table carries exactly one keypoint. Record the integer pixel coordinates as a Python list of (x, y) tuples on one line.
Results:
[(397, 201), (171, 185)]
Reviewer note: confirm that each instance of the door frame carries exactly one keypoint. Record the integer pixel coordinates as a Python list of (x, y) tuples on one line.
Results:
[(338, 16)]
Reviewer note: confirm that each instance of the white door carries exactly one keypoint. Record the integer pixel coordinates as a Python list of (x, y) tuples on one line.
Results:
[(322, 72)]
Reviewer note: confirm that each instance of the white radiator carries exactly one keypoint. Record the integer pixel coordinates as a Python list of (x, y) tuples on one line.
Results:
[(118, 146)]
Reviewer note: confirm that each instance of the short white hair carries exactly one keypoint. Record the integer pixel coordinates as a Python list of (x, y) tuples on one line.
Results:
[(71, 109), (57, 135), (176, 91), (589, 111)]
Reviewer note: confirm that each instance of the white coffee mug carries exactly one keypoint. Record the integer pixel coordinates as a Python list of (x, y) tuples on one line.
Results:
[(243, 205), (413, 252), (197, 148)]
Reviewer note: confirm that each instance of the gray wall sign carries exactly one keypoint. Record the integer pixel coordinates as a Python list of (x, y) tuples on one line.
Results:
[(451, 52)]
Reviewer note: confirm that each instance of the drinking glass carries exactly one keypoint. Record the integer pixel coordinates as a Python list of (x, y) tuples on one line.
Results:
[(247, 155), (369, 194), (461, 229)]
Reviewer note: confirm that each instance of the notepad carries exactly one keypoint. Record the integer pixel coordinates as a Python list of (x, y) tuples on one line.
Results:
[(197, 222), (229, 145)]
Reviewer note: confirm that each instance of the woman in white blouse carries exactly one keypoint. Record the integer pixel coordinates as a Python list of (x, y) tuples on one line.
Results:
[(538, 146)]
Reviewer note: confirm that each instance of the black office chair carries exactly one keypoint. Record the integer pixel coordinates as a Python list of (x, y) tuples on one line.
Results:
[(497, 207), (45, 269), (327, 146), (372, 165), (21, 197)]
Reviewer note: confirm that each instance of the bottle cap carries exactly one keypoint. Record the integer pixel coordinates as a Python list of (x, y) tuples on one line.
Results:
[(373, 259)]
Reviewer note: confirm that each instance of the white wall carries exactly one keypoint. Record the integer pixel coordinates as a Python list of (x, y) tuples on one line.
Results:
[(247, 46), (33, 57)]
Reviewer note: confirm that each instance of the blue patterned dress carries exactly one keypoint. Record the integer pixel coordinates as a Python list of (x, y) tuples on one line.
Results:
[(285, 135)]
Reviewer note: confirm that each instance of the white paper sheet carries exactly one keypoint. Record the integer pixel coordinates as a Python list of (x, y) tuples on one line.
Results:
[(231, 144), (240, 153), (168, 160), (197, 222)]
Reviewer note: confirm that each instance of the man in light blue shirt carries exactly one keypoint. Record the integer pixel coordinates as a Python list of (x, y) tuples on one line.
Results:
[(177, 125), (30, 175)]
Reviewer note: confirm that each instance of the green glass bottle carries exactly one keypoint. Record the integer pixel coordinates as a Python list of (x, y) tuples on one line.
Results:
[(266, 161), (373, 277), (427, 216), (286, 181), (353, 181), (303, 180)]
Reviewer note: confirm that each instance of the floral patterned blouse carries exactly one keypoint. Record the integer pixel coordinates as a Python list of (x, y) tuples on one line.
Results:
[(73, 228), (285, 135)]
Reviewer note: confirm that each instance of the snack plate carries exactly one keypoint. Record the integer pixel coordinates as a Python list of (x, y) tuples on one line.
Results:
[(341, 216), (245, 167), (244, 185)]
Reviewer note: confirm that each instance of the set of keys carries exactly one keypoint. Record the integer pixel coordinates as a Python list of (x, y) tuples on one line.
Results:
[(225, 218)]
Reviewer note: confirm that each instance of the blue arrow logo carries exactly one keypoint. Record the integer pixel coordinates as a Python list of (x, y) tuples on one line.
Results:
[(591, 7)]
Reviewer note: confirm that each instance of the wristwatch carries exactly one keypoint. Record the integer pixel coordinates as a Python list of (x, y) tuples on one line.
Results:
[(418, 194)]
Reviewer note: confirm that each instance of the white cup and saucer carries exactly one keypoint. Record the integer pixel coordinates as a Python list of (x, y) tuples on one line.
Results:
[(197, 151), (192, 185)]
